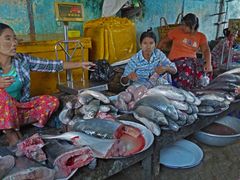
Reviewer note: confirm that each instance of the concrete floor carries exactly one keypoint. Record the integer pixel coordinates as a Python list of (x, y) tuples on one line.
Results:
[(219, 163)]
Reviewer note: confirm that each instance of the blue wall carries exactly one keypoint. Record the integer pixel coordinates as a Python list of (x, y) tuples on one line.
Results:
[(14, 13)]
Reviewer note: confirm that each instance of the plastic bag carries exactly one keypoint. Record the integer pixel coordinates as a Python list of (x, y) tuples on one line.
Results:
[(103, 71)]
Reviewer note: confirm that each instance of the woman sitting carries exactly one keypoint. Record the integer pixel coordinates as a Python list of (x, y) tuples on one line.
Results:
[(16, 106), (149, 66)]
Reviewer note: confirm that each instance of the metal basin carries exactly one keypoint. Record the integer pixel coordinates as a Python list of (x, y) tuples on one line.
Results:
[(221, 140)]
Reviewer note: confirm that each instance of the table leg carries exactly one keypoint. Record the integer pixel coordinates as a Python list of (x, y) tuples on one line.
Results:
[(147, 168)]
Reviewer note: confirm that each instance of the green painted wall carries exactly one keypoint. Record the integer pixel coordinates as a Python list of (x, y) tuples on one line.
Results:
[(14, 13)]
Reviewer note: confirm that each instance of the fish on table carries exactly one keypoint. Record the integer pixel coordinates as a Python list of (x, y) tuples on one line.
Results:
[(159, 103), (152, 114), (106, 138), (95, 94), (152, 126), (26, 169), (65, 158)]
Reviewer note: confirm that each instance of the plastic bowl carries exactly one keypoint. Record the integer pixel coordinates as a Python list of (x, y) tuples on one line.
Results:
[(221, 140)]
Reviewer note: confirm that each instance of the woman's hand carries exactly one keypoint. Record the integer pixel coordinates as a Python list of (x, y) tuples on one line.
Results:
[(88, 65), (6, 81), (133, 76), (208, 68), (160, 69)]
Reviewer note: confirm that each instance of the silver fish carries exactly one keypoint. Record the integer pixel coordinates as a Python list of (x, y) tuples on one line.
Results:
[(104, 108), (90, 110), (66, 114), (214, 103), (168, 91), (205, 109), (211, 97), (182, 116), (194, 108), (151, 114), (159, 103), (197, 101), (191, 119), (99, 128), (173, 125), (96, 95), (222, 94), (84, 98), (180, 105), (189, 98), (100, 147), (152, 126), (232, 71)]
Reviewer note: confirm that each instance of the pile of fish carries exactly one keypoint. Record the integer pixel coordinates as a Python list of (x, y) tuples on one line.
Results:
[(106, 138), (166, 107), (88, 104), (61, 157), (19, 168), (227, 81), (213, 101), (217, 96), (127, 99)]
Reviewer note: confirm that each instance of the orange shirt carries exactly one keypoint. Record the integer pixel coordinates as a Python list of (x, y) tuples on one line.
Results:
[(185, 44)]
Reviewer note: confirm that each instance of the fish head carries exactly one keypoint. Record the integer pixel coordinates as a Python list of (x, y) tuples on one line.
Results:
[(71, 124), (69, 105)]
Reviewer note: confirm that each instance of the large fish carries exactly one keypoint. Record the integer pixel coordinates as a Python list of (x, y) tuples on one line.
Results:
[(173, 125), (180, 105), (189, 98), (168, 91), (232, 71), (215, 103), (197, 101), (233, 78), (84, 98), (222, 94), (205, 109), (66, 114), (152, 126), (130, 138), (211, 97), (182, 116), (129, 141), (7, 162), (225, 86), (90, 110), (65, 157), (159, 103), (100, 147), (96, 95), (191, 119), (97, 127), (151, 114), (27, 169)]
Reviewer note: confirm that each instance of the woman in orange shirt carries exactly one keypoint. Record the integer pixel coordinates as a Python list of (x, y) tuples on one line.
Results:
[(186, 40)]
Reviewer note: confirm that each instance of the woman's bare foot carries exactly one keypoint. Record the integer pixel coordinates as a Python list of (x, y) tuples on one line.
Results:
[(12, 136)]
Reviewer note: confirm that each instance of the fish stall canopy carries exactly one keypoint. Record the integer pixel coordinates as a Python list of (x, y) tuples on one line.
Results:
[(107, 131)]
